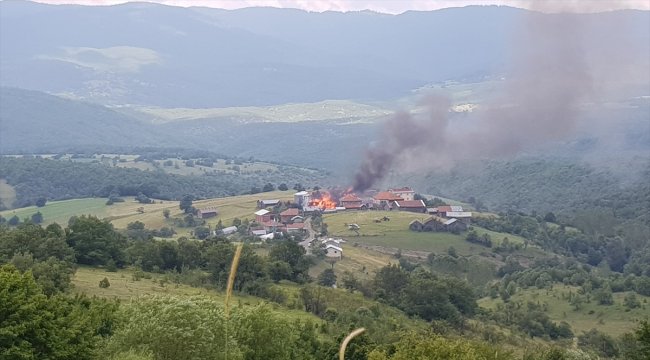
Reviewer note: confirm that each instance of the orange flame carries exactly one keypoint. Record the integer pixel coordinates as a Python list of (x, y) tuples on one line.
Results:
[(324, 202)]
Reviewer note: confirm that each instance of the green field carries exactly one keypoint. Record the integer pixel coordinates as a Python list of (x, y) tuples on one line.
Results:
[(61, 211), (122, 213), (395, 233), (611, 319), (7, 193)]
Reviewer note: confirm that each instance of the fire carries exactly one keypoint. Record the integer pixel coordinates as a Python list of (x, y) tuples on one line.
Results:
[(323, 200)]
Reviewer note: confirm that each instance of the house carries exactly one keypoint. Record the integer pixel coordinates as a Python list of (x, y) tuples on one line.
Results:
[(464, 216), (302, 198), (415, 225), (263, 204), (433, 223), (411, 205), (351, 202), (272, 226), (262, 216), (297, 219), (405, 193), (333, 251), (207, 213), (287, 215), (385, 199), (331, 241), (295, 227), (455, 225), (229, 230)]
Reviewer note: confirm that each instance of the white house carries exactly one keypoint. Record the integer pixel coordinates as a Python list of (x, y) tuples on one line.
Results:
[(333, 251)]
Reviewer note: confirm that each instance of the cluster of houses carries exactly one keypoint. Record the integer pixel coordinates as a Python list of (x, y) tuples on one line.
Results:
[(443, 218)]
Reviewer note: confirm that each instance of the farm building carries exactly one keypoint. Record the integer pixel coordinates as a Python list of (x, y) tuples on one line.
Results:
[(263, 204), (385, 199), (229, 230), (287, 215), (207, 213), (258, 232), (433, 223), (262, 216), (405, 193), (411, 205), (333, 251), (463, 216), (415, 225), (351, 202), (455, 225)]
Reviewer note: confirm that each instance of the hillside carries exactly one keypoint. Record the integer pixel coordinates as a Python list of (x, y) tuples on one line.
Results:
[(32, 121)]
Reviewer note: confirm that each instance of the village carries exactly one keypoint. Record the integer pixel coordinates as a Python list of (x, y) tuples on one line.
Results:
[(275, 216)]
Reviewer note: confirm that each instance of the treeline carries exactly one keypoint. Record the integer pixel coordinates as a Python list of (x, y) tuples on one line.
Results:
[(36, 178), (592, 237)]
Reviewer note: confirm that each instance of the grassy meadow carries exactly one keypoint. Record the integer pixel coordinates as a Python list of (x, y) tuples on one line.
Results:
[(612, 319), (61, 211), (396, 234)]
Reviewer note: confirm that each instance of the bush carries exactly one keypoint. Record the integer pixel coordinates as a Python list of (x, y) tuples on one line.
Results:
[(104, 283)]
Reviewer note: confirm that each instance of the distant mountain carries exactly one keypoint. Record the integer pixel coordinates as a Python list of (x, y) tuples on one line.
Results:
[(33, 121), (141, 53)]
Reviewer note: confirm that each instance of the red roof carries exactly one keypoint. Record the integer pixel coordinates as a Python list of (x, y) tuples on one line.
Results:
[(359, 206), (351, 198), (410, 204), (387, 195), (444, 208), (404, 189), (296, 226), (290, 212)]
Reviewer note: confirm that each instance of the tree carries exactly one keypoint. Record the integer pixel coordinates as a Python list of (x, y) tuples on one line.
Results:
[(550, 217), (37, 218), (604, 296), (95, 241), (327, 277), (202, 232), (268, 187), (349, 281), (166, 213), (283, 187), (40, 202), (14, 220), (186, 204), (630, 301), (33, 326), (143, 199), (599, 342), (104, 283), (279, 270), (294, 255)]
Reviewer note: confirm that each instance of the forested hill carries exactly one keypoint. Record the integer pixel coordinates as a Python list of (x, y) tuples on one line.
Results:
[(542, 184), (33, 178)]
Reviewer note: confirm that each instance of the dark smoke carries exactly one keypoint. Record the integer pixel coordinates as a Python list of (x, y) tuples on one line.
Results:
[(541, 102)]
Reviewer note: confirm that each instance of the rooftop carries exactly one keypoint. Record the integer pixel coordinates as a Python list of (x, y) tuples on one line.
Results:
[(410, 204), (262, 212), (350, 197), (290, 212), (459, 214), (387, 195)]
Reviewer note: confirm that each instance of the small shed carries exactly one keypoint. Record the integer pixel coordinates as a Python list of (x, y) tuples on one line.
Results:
[(207, 213)]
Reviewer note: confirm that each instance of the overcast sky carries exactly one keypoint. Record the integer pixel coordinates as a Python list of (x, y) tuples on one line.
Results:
[(389, 6)]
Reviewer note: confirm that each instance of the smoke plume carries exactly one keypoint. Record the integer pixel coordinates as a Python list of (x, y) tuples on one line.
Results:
[(539, 103)]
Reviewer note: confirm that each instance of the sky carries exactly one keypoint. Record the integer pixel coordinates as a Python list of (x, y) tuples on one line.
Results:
[(389, 6)]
